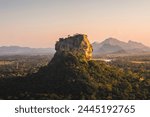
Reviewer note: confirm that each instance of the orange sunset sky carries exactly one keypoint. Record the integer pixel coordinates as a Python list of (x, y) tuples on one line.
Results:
[(40, 23)]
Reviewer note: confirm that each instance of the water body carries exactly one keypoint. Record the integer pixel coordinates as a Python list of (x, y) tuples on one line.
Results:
[(100, 59)]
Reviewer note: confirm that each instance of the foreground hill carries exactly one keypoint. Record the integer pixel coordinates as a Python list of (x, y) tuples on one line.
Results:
[(70, 77)]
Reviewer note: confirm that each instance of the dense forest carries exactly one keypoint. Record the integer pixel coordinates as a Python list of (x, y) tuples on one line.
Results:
[(68, 76)]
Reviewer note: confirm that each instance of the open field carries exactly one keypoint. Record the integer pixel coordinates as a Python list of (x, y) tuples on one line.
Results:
[(140, 62), (6, 62)]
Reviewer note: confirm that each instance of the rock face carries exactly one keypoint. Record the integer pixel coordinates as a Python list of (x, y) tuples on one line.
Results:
[(77, 44)]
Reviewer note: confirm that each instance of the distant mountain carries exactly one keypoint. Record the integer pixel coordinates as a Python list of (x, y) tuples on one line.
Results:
[(108, 46), (115, 46), (17, 50), (137, 45)]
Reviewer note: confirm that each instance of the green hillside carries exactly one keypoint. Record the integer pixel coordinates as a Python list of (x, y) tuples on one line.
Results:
[(73, 77)]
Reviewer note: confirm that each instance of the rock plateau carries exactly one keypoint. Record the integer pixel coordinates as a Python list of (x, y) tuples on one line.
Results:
[(77, 44)]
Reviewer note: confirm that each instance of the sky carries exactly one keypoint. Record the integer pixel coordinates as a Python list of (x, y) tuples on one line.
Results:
[(40, 23)]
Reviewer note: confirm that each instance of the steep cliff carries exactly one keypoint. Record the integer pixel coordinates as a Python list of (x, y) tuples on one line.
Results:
[(76, 44)]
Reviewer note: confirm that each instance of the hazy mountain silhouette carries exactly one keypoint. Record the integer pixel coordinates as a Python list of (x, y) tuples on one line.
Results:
[(17, 50), (108, 46), (112, 45)]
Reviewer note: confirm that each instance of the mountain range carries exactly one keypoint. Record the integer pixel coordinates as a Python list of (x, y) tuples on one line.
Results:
[(108, 46), (17, 50), (115, 46)]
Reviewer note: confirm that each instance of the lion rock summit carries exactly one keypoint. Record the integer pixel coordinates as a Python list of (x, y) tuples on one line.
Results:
[(76, 44)]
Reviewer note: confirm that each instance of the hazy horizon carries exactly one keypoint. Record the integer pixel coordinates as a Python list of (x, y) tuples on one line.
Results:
[(40, 23), (53, 46)]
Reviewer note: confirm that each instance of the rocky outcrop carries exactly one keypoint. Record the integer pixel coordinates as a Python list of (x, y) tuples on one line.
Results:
[(76, 44)]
